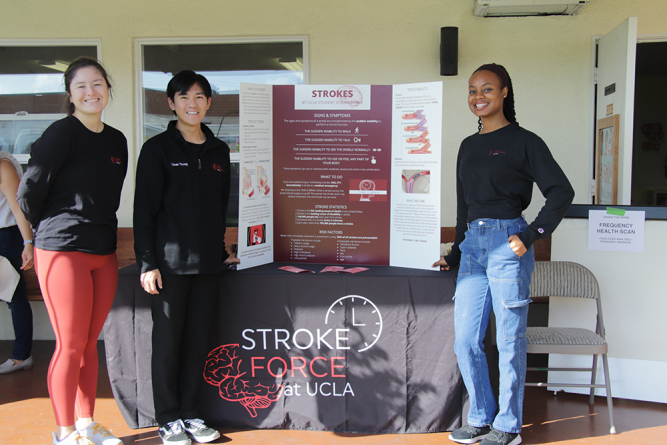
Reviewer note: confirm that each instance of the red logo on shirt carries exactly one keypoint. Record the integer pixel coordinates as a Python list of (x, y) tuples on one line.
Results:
[(116, 160), (496, 152), (216, 167)]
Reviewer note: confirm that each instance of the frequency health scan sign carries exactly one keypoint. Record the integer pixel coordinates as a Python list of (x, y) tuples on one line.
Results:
[(616, 230), (340, 174)]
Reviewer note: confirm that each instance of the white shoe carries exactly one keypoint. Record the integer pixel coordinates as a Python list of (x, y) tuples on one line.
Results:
[(73, 439), (98, 434), (8, 366)]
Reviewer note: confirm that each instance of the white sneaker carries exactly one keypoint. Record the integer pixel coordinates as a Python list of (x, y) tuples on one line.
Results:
[(8, 366), (73, 439), (98, 434)]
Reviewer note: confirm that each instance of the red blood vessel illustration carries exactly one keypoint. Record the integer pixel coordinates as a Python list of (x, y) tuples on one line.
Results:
[(422, 128), (408, 182)]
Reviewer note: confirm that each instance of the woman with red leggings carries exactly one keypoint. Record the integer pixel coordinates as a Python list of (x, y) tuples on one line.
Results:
[(70, 194)]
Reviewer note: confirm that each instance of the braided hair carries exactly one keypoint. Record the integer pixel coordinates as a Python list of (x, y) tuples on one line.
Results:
[(505, 81)]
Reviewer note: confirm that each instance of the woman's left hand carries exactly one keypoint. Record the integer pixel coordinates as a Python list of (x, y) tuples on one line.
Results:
[(517, 245), (28, 257)]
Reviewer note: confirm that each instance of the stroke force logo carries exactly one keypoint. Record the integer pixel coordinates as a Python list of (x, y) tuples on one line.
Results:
[(303, 363)]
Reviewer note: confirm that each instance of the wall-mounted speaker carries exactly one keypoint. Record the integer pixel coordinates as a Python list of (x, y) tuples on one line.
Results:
[(449, 51)]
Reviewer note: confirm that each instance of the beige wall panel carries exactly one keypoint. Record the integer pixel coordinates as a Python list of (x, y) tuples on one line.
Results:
[(370, 42)]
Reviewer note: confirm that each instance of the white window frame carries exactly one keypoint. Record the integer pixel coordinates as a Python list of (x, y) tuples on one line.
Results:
[(139, 65), (97, 43)]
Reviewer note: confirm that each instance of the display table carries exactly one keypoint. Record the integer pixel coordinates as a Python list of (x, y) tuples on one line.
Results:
[(366, 352)]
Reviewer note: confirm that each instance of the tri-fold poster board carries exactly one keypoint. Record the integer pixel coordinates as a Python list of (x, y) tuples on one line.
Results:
[(340, 174)]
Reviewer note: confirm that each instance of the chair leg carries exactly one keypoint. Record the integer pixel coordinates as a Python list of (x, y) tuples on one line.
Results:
[(593, 375), (610, 403)]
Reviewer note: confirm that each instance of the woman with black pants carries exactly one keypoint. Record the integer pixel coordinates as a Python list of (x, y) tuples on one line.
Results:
[(16, 240), (180, 203)]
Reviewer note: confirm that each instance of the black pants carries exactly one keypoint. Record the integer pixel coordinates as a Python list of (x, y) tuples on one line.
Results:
[(182, 314)]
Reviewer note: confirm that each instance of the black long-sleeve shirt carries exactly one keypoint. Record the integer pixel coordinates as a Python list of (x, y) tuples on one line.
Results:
[(71, 190), (495, 173), (180, 204)]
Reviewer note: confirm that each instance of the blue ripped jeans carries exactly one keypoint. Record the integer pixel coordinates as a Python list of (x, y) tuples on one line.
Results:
[(491, 275)]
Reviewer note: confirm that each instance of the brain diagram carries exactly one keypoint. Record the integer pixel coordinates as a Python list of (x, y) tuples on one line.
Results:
[(222, 370)]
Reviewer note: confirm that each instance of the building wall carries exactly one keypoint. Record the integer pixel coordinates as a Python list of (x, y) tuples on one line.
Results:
[(634, 306), (370, 42)]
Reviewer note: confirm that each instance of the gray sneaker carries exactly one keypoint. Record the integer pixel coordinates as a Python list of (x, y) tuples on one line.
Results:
[(173, 433), (497, 437), (197, 430), (470, 434)]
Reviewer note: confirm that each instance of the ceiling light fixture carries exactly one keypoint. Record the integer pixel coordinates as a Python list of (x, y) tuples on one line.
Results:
[(291, 63), (57, 65)]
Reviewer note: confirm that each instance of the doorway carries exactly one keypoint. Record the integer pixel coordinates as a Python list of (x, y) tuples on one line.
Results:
[(649, 148)]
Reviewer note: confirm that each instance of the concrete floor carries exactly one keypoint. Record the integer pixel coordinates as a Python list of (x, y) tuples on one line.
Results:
[(26, 417)]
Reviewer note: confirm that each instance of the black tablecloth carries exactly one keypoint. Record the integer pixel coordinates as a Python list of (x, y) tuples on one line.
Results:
[(299, 351)]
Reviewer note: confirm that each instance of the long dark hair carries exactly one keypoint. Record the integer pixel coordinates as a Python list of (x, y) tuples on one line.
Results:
[(505, 81), (73, 68)]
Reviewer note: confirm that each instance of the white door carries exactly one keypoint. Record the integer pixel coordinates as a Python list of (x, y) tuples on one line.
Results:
[(616, 87)]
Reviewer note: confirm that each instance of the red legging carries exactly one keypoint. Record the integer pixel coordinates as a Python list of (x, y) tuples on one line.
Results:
[(78, 290)]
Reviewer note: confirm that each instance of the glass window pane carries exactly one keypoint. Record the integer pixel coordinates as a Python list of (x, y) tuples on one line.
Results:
[(32, 94), (225, 65)]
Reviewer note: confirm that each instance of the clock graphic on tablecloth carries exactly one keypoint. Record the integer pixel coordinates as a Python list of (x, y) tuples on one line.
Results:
[(361, 316)]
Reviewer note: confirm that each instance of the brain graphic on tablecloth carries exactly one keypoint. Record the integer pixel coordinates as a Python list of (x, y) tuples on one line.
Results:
[(223, 370)]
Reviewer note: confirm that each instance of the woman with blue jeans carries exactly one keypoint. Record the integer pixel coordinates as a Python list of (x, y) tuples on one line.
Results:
[(495, 171)]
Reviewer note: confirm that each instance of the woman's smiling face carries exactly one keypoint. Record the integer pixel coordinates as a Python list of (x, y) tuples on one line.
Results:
[(486, 95), (88, 91)]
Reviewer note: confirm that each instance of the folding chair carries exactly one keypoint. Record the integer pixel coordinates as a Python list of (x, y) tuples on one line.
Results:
[(566, 279)]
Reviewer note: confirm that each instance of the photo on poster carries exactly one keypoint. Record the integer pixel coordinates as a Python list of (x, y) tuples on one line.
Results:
[(416, 181), (256, 235)]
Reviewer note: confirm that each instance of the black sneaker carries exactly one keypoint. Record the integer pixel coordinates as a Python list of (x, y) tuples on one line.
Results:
[(197, 430), (470, 434), (497, 437), (173, 433)]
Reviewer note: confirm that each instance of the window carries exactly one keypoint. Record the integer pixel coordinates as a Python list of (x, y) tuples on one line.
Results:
[(225, 63), (32, 94)]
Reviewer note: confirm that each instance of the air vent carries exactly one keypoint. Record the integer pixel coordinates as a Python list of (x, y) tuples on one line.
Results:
[(521, 8)]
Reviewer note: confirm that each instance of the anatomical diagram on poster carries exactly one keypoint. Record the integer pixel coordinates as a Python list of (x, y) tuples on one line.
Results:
[(340, 174)]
